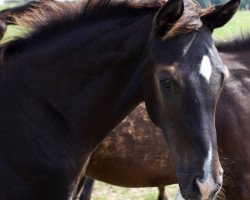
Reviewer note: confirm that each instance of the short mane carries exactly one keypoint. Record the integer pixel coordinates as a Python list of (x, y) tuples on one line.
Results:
[(51, 18), (190, 20), (48, 17), (50, 14)]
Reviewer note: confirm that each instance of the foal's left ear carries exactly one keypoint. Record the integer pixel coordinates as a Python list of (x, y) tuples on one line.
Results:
[(220, 14), (168, 15)]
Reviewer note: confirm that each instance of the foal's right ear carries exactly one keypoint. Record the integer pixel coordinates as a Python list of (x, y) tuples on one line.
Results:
[(221, 14), (168, 15)]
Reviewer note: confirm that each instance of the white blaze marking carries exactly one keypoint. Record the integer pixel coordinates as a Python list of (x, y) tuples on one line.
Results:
[(206, 185), (206, 68), (207, 164)]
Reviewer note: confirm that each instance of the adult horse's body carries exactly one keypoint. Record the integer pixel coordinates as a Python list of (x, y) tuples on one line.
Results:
[(54, 85), (135, 154)]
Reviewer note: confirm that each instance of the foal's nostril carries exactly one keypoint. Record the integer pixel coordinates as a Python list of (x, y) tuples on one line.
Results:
[(206, 187)]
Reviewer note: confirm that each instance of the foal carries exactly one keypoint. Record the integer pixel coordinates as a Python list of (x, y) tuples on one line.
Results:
[(135, 155), (67, 85)]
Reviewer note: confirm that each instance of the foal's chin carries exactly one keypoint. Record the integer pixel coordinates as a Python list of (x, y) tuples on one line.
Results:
[(179, 196)]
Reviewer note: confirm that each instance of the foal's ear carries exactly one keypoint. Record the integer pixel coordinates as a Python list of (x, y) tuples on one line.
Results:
[(169, 14), (220, 14)]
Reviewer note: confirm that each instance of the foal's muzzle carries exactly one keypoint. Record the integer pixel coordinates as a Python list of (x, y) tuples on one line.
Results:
[(198, 187)]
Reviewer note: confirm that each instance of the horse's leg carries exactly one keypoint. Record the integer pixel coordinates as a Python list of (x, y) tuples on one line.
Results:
[(162, 193), (87, 189)]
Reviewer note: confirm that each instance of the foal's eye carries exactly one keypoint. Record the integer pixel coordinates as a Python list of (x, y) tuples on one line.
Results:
[(169, 84)]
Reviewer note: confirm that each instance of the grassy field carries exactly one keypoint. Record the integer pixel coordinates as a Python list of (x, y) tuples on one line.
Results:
[(238, 25), (11, 32), (104, 191)]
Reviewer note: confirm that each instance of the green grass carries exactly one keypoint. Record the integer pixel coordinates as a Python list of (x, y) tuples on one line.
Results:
[(239, 24), (12, 31), (5, 6), (104, 191)]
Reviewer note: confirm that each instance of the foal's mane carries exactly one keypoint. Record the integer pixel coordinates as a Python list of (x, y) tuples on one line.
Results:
[(50, 18), (238, 44), (50, 14)]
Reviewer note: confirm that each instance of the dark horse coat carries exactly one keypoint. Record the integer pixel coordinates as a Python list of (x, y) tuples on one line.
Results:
[(68, 84)]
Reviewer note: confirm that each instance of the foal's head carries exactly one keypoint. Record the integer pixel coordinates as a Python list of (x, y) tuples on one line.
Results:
[(183, 80)]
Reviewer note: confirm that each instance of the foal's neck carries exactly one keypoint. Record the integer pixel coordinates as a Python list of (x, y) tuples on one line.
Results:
[(91, 76)]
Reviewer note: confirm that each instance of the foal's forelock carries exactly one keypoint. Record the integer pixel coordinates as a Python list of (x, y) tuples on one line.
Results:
[(190, 20)]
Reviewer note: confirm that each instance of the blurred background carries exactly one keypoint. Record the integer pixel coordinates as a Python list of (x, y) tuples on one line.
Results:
[(239, 25)]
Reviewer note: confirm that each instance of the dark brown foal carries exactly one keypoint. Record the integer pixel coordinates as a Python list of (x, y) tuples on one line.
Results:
[(128, 157)]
